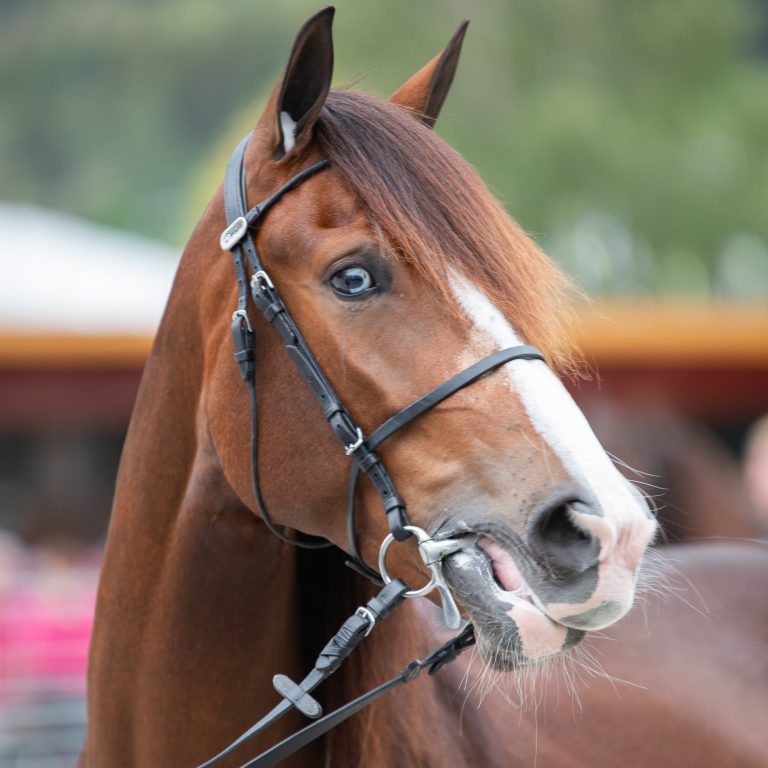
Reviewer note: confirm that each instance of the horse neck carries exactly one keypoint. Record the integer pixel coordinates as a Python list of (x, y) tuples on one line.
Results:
[(196, 604)]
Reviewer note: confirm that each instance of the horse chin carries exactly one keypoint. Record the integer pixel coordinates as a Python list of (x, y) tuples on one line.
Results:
[(511, 629)]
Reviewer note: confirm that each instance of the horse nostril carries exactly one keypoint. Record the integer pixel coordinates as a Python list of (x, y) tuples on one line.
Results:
[(562, 544)]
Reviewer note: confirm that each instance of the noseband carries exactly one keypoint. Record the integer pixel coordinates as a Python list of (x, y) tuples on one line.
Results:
[(237, 238)]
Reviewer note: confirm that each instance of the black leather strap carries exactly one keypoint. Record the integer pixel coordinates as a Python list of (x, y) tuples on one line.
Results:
[(445, 654), (406, 416), (234, 194), (267, 299), (243, 340), (450, 387), (297, 696), (352, 631), (299, 540)]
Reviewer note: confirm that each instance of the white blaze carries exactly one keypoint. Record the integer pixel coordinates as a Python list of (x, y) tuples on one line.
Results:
[(554, 415)]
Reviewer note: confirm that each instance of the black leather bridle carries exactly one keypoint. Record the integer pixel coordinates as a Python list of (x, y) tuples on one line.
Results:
[(237, 238)]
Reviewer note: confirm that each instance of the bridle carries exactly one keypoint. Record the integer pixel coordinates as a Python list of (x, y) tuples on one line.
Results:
[(237, 238)]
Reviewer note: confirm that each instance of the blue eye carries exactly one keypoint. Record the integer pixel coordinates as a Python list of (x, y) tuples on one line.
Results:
[(352, 282)]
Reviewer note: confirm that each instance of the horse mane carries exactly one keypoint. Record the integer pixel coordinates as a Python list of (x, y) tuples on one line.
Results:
[(436, 213)]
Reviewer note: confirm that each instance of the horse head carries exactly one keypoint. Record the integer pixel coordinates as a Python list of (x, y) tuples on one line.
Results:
[(401, 269)]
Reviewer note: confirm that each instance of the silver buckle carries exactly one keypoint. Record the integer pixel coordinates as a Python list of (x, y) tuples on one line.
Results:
[(260, 275), (352, 447), (364, 613), (233, 234), (243, 315)]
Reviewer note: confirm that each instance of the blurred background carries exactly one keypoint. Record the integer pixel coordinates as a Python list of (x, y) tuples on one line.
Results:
[(630, 139)]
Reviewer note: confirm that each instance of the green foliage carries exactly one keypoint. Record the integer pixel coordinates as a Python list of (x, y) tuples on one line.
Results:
[(631, 138)]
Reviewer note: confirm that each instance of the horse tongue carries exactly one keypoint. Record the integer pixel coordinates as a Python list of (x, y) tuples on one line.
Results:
[(504, 567)]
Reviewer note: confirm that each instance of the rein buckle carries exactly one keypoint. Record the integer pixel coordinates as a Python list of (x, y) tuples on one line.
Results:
[(365, 613)]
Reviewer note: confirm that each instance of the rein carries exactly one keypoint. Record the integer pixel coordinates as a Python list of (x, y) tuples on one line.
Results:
[(237, 238)]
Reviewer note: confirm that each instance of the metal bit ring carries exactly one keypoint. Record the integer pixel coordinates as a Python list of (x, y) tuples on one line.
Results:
[(422, 536)]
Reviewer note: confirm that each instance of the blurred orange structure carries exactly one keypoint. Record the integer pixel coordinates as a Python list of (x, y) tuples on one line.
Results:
[(54, 381), (708, 361)]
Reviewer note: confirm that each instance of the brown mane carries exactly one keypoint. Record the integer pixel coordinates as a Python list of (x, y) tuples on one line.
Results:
[(437, 213)]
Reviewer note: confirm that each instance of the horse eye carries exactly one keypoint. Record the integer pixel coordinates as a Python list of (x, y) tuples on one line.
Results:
[(352, 282)]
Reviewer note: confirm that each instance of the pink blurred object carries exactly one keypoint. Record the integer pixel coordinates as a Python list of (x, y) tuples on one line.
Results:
[(46, 613)]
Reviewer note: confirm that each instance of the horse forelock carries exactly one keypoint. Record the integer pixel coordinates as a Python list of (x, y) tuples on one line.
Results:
[(434, 210)]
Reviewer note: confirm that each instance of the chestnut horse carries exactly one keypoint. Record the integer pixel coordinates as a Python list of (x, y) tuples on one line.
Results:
[(400, 269)]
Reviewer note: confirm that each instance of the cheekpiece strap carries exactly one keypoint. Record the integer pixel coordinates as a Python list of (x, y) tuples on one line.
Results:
[(238, 239)]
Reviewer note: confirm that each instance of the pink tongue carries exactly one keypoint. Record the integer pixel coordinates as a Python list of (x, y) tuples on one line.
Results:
[(504, 567)]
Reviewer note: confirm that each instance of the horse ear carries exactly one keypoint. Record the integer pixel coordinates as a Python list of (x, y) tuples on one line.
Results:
[(305, 84), (425, 92)]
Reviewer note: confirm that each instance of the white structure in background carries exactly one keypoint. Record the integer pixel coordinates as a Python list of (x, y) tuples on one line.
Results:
[(63, 274), (60, 274)]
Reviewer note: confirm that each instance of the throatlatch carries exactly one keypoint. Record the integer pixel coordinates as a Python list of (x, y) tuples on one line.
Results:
[(237, 239)]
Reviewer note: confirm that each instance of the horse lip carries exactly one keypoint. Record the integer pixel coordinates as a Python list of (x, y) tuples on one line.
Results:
[(470, 537), (483, 563), (485, 604), (470, 574)]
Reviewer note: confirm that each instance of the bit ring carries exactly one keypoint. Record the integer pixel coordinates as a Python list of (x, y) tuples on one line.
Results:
[(422, 536)]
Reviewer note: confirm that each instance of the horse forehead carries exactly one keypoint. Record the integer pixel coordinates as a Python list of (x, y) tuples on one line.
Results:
[(322, 201)]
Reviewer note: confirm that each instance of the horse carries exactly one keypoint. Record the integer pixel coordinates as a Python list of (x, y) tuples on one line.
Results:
[(400, 269)]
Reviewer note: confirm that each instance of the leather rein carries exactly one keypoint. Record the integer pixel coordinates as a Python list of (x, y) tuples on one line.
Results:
[(261, 290)]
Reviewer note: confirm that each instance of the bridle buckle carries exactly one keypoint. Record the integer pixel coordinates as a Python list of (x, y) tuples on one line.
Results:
[(365, 613), (243, 315), (261, 278), (352, 447)]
